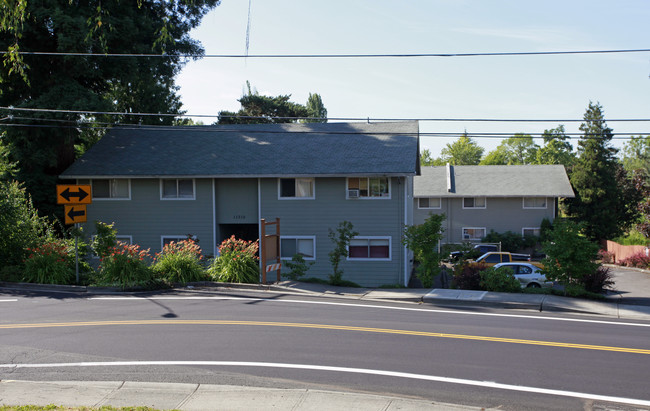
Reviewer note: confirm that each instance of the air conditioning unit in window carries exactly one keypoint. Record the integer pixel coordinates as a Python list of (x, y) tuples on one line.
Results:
[(353, 193)]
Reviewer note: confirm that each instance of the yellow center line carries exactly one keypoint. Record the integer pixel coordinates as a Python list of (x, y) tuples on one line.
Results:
[(330, 327)]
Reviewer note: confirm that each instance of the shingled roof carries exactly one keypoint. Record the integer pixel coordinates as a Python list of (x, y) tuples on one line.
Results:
[(260, 150), (493, 181)]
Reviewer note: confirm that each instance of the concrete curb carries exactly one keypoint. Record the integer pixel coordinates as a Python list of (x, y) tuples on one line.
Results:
[(183, 396)]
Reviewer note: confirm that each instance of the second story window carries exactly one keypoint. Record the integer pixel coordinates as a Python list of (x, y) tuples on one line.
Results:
[(177, 189), (368, 187), (113, 189), (474, 202), (296, 188)]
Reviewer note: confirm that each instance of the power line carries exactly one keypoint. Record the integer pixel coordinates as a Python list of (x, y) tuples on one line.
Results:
[(486, 120), (225, 129), (352, 55)]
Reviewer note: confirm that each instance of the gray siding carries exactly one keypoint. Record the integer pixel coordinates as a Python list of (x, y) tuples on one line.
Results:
[(146, 217), (500, 215), (377, 217)]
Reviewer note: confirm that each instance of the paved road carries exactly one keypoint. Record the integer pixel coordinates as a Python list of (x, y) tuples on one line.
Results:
[(479, 358), (633, 286)]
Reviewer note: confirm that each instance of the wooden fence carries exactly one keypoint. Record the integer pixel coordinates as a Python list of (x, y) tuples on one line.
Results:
[(621, 252)]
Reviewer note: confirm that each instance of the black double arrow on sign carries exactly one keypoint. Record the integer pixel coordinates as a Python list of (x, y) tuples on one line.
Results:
[(73, 194)]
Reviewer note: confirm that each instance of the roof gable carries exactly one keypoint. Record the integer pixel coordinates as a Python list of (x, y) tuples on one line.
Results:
[(253, 150), (494, 181)]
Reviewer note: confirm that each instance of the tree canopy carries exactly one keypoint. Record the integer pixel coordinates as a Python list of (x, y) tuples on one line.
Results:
[(636, 155), (256, 108), (464, 151), (600, 201), (44, 144), (519, 149), (556, 149)]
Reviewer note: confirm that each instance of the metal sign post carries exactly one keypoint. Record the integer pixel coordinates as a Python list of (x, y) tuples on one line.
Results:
[(74, 198)]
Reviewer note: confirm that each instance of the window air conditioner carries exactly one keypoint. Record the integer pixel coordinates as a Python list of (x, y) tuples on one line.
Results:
[(353, 193)]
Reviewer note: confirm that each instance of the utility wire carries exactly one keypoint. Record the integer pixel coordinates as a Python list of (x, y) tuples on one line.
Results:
[(301, 56), (117, 113), (225, 129)]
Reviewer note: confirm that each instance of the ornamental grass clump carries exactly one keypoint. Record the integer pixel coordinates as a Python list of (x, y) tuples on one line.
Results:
[(237, 262), (125, 266), (180, 262), (52, 262)]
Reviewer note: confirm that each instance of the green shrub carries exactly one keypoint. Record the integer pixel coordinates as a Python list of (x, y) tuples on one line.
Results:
[(632, 238), (499, 280), (105, 238), (298, 267), (569, 255), (52, 262), (20, 226), (341, 239), (237, 262), (511, 241), (180, 262), (467, 276), (423, 241), (125, 265)]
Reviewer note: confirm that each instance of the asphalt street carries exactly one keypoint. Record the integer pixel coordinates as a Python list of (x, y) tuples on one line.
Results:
[(485, 358)]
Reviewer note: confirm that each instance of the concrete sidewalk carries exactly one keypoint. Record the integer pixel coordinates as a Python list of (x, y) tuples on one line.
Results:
[(166, 396)]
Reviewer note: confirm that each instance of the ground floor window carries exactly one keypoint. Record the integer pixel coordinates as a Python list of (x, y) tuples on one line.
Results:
[(530, 232), (375, 248), (303, 245), (473, 233), (166, 239)]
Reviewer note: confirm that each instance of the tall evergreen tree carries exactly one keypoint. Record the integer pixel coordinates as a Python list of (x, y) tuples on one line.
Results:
[(599, 201), (45, 143), (316, 109)]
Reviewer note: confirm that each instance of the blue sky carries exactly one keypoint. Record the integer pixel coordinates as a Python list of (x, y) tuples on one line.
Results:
[(528, 87)]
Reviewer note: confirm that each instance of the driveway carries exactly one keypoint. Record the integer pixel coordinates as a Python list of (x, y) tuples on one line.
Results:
[(632, 286)]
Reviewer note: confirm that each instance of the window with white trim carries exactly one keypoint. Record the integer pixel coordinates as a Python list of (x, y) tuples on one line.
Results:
[(122, 238), (534, 202), (530, 232), (370, 248), (109, 189), (474, 202), (166, 239), (177, 189), (302, 245), (368, 187), (473, 233), (429, 202), (296, 188)]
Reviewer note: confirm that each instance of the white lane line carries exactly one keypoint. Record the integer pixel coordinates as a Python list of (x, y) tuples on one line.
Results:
[(421, 310), (13, 300), (423, 377)]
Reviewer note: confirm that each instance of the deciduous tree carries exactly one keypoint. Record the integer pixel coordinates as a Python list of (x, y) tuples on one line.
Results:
[(463, 151)]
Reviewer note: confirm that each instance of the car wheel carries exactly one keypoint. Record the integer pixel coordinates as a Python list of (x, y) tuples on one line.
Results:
[(533, 285)]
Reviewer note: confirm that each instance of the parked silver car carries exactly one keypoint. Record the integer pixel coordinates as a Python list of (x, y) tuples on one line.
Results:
[(528, 274)]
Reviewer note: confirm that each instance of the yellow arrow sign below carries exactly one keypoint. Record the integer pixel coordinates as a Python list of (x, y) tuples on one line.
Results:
[(75, 214)]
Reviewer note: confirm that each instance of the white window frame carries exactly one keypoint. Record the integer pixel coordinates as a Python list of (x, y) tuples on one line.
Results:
[(462, 233), (128, 238), (92, 180), (172, 238), (361, 237), (523, 234), (368, 197), (299, 237), (163, 198), (430, 208), (523, 203), (313, 188), (475, 208)]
